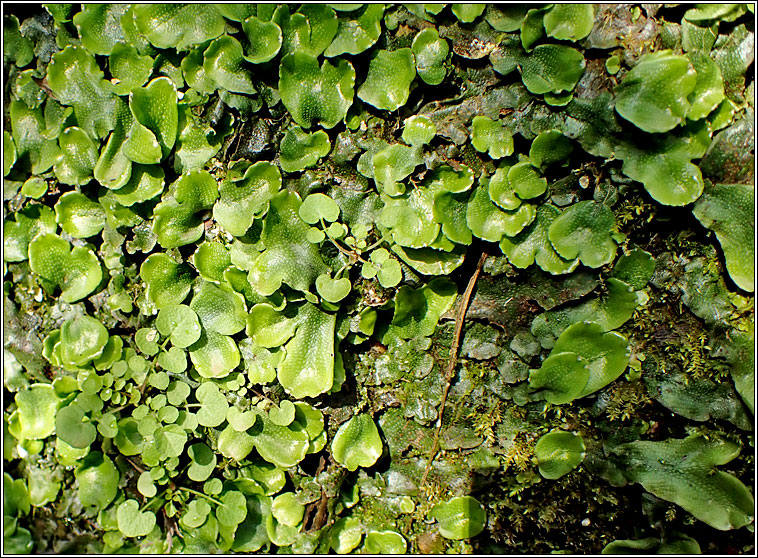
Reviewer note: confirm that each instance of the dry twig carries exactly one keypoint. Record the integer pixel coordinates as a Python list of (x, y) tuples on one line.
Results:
[(453, 360)]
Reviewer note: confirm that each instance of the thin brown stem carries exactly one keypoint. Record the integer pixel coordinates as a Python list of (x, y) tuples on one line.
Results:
[(453, 360), (133, 464), (169, 534), (142, 387)]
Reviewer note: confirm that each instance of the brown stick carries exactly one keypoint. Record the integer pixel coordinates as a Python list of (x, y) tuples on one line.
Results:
[(314, 505), (133, 464), (453, 358), (322, 512), (169, 534)]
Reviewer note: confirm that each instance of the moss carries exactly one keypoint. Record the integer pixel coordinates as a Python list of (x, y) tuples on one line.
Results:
[(325, 286)]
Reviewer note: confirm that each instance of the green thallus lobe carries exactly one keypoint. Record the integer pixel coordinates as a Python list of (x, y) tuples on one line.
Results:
[(151, 133)]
